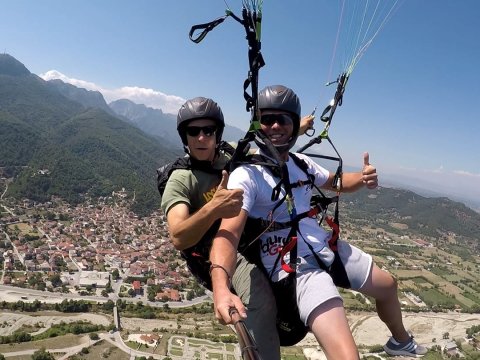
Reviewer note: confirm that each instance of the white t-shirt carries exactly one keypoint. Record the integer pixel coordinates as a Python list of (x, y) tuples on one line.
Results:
[(257, 184)]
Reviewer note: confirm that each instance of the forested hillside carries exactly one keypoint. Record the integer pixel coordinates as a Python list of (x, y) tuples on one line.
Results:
[(56, 146)]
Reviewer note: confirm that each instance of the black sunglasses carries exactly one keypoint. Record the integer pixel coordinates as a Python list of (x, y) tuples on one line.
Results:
[(195, 130), (280, 119)]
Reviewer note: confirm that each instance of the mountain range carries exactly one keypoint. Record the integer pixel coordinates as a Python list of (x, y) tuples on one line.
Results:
[(61, 140), (64, 141), (405, 212)]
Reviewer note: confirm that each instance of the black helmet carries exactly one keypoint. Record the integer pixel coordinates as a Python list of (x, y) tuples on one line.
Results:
[(200, 108), (279, 97)]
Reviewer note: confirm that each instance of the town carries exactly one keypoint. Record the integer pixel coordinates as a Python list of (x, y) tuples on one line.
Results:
[(92, 249)]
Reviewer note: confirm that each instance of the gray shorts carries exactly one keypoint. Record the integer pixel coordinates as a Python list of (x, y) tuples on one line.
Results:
[(315, 286)]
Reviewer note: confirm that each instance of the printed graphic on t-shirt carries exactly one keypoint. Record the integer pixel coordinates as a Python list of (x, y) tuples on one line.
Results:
[(209, 194), (273, 245)]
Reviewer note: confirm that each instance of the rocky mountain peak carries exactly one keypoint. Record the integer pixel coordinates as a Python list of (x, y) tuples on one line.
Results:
[(11, 66)]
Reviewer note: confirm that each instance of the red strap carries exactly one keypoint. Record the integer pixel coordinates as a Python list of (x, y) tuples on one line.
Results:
[(332, 243), (286, 267), (313, 212)]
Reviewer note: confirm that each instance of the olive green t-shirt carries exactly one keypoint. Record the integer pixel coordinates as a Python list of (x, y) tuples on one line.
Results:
[(192, 187)]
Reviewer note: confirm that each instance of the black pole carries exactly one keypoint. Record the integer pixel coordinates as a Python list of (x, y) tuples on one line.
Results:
[(248, 348)]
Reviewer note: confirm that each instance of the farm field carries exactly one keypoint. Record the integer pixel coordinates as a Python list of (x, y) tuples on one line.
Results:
[(429, 329)]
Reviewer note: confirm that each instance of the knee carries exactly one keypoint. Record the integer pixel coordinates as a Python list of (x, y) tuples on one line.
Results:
[(393, 284), (383, 286), (390, 286)]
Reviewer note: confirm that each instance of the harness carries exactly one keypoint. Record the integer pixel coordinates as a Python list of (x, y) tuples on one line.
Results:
[(196, 256), (290, 327)]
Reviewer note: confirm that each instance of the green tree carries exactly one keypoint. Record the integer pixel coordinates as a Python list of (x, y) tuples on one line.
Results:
[(56, 280), (50, 216), (42, 354), (115, 274), (108, 306)]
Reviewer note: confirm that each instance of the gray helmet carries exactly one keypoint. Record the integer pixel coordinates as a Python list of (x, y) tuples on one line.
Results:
[(279, 97), (199, 108)]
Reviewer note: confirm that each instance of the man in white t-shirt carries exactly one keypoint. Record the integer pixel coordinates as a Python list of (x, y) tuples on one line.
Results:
[(319, 303)]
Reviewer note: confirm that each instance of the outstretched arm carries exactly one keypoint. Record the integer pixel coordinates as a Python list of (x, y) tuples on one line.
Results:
[(187, 229), (223, 257), (354, 181)]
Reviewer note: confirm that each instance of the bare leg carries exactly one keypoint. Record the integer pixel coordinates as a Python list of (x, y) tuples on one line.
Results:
[(330, 327), (383, 288)]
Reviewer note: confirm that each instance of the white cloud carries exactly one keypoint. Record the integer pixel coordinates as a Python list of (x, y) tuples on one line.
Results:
[(149, 97), (54, 74), (465, 173)]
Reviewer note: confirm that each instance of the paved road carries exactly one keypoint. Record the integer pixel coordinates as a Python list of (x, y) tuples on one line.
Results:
[(14, 294), (68, 351), (114, 339)]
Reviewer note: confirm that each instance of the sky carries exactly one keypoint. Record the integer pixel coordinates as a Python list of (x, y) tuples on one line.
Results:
[(411, 101)]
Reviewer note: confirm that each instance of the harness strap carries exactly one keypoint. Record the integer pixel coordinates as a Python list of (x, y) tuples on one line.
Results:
[(319, 261), (207, 27), (252, 24), (332, 243), (319, 207), (289, 247)]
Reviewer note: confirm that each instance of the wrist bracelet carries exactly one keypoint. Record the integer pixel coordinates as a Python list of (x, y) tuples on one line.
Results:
[(216, 266)]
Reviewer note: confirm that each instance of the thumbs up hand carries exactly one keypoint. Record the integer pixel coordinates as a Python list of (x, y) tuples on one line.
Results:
[(224, 181), (227, 203), (369, 173)]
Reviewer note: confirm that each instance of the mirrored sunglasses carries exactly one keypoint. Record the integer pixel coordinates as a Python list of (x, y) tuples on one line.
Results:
[(280, 119), (195, 130)]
